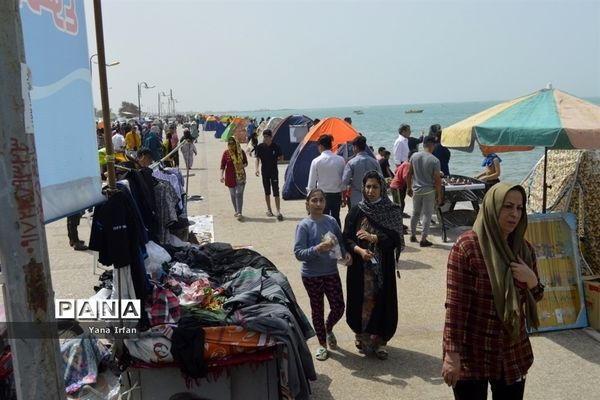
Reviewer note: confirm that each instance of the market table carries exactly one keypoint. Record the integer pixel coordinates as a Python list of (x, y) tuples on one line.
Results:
[(456, 189)]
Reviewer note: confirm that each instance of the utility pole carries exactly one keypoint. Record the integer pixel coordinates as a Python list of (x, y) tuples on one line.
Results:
[(171, 101), (37, 363)]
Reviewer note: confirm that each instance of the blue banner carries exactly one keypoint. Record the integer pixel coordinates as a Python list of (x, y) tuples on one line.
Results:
[(57, 55)]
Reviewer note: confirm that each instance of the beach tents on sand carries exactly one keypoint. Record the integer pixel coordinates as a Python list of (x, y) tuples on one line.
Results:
[(211, 124), (290, 132), (296, 174)]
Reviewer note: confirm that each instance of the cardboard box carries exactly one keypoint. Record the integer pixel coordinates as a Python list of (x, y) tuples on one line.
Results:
[(592, 302)]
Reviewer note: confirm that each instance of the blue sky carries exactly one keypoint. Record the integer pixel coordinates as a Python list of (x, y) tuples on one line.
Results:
[(232, 55)]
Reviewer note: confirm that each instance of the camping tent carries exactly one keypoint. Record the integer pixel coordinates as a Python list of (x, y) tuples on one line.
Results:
[(236, 128), (296, 174), (220, 128), (290, 132), (270, 124), (211, 124)]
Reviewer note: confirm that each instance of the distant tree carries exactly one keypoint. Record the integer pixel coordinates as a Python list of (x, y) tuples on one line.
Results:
[(98, 113), (128, 110)]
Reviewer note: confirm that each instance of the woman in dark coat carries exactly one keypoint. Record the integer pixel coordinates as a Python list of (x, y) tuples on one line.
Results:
[(373, 234)]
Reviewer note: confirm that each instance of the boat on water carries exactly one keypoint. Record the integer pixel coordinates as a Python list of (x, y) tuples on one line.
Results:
[(358, 112), (413, 111)]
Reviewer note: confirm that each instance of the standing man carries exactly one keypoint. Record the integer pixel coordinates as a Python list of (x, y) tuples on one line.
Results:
[(326, 173), (268, 153), (401, 155), (356, 169), (424, 185), (440, 152)]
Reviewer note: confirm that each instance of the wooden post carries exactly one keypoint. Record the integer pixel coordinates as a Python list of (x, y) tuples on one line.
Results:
[(38, 366)]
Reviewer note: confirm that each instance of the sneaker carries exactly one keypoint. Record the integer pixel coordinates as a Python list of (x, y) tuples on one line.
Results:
[(331, 341), (405, 215), (425, 243), (413, 239), (322, 354)]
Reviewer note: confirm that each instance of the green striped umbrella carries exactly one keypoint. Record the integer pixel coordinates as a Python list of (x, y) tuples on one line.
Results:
[(548, 118)]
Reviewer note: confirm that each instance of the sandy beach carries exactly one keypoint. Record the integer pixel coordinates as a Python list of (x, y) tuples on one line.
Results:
[(567, 363)]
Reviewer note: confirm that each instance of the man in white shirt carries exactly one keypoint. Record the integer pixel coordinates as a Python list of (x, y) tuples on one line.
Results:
[(118, 142), (326, 173), (401, 155), (401, 144)]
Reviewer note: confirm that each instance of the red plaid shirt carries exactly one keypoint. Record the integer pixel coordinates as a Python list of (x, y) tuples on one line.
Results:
[(472, 327)]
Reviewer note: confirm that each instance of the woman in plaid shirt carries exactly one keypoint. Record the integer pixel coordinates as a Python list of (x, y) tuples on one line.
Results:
[(492, 290)]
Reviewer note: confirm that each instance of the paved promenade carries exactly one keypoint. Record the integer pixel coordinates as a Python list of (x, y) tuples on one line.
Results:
[(567, 364)]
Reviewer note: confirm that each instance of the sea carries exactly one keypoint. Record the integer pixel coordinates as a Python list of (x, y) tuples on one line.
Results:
[(379, 124)]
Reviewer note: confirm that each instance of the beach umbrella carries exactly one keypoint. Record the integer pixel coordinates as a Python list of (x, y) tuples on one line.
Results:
[(548, 118)]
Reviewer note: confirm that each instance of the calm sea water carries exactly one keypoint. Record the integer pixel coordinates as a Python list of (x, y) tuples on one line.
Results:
[(380, 125)]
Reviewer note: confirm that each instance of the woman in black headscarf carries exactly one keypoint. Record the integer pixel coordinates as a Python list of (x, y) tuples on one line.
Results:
[(373, 234)]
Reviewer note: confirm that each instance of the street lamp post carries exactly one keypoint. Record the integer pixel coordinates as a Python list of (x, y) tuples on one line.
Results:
[(145, 86), (160, 94), (112, 64)]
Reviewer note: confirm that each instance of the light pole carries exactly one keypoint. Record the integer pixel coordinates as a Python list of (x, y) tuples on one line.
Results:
[(112, 64), (145, 86), (160, 94)]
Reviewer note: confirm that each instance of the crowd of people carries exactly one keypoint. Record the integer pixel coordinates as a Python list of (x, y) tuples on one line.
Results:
[(492, 280)]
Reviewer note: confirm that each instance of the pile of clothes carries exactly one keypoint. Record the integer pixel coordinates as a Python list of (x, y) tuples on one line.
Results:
[(214, 302)]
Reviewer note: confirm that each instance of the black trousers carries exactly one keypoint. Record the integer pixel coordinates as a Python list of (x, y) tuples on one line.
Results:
[(478, 390), (72, 224), (333, 203)]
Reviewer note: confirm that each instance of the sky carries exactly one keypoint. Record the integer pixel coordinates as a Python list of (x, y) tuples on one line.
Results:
[(249, 55)]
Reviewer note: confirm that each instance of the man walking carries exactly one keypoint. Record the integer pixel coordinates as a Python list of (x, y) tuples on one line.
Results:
[(268, 153), (356, 169), (424, 185), (326, 173), (401, 155)]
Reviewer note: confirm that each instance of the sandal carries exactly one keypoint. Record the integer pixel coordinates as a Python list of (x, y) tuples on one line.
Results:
[(270, 214), (331, 341), (279, 217), (322, 354), (381, 354)]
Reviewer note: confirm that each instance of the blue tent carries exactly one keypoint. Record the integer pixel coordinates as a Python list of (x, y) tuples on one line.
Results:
[(211, 125), (220, 128), (290, 132)]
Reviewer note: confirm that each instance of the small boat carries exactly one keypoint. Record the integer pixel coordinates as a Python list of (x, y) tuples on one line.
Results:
[(413, 111), (358, 112)]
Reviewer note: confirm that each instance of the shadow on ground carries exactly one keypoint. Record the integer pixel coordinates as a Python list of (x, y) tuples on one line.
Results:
[(413, 264), (401, 365), (320, 388), (578, 342)]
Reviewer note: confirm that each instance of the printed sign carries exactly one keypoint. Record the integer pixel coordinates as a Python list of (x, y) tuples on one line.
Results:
[(554, 239), (57, 55)]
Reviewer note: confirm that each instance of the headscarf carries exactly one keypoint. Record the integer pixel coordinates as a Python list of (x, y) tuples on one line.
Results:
[(385, 214), (498, 253), (238, 161)]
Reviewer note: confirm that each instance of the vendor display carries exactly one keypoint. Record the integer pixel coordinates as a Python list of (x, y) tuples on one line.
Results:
[(210, 305), (458, 189)]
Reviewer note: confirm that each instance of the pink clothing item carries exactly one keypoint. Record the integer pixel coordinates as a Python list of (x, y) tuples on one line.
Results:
[(400, 175)]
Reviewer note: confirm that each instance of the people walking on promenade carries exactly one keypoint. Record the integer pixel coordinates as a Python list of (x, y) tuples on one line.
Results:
[(424, 185), (188, 149), (233, 174), (491, 295), (268, 153), (356, 169), (373, 234), (326, 173), (316, 236)]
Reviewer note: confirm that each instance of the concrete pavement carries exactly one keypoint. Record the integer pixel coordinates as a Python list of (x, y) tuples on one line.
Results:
[(567, 363)]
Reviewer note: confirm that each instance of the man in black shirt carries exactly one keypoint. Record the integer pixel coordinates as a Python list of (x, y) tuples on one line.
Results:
[(268, 153), (384, 163)]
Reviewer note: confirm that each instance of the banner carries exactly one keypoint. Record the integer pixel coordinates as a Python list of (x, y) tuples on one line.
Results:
[(57, 55), (554, 238)]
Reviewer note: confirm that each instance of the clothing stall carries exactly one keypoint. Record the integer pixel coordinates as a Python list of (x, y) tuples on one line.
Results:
[(218, 321)]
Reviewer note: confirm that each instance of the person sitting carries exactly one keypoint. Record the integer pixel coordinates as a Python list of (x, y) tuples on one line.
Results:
[(491, 173)]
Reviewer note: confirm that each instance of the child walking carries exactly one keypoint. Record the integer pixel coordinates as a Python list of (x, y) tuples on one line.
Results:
[(314, 239)]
